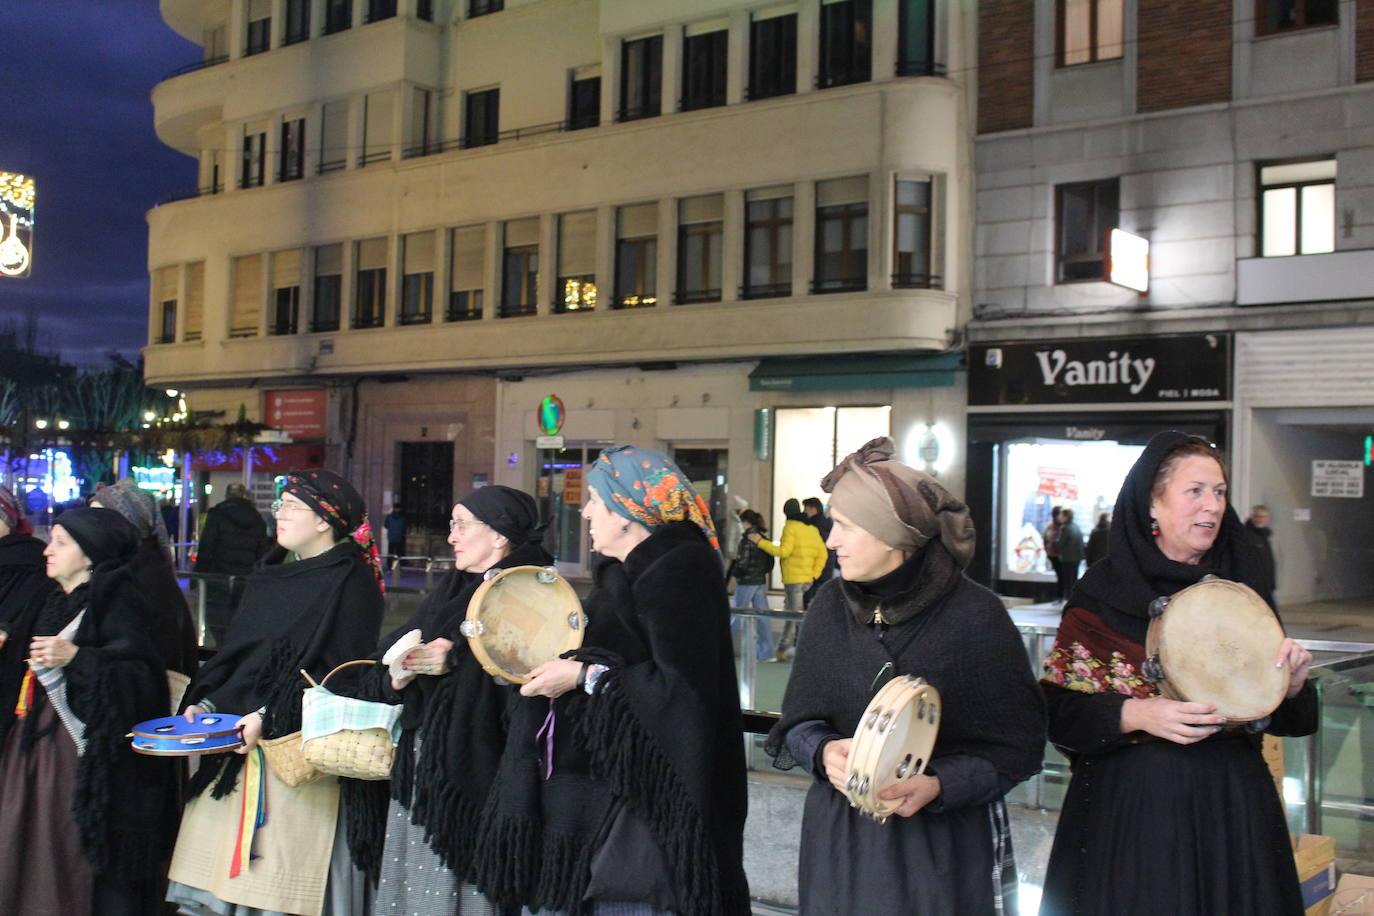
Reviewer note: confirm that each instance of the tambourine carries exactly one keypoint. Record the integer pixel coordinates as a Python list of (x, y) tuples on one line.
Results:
[(1215, 642), (173, 736), (520, 618), (893, 741)]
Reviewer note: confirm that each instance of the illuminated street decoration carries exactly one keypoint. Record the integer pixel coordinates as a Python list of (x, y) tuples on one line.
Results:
[(551, 415), (1128, 261), (16, 224)]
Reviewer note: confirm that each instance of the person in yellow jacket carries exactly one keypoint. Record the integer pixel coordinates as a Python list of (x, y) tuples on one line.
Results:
[(803, 558)]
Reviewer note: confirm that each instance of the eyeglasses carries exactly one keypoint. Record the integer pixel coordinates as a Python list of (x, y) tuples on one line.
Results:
[(281, 507), (463, 526)]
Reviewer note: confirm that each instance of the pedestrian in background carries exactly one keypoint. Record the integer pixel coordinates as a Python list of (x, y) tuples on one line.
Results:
[(1070, 544), (1257, 526), (803, 559), (233, 541), (750, 570), (1097, 539), (816, 517)]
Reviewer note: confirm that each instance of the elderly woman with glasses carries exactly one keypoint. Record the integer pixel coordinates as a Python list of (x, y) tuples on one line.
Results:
[(313, 613)]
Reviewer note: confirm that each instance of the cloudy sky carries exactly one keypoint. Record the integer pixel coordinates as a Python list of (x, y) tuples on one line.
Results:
[(76, 115)]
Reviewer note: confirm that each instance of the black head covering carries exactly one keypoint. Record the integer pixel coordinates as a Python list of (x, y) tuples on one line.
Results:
[(1120, 587), (506, 511), (330, 497), (105, 536), (791, 509)]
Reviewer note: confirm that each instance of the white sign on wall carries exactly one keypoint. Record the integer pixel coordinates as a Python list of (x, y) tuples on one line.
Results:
[(1338, 478)]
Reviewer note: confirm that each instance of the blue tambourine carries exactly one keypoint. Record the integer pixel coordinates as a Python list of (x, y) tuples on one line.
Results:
[(173, 736)]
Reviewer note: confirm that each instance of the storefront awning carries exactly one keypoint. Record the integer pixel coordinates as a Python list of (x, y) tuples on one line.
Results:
[(850, 372)]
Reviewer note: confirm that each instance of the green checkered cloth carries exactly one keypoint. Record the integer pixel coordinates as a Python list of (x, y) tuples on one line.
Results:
[(324, 712)]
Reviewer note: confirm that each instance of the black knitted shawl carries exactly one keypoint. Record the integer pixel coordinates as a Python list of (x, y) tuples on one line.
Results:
[(24, 587)]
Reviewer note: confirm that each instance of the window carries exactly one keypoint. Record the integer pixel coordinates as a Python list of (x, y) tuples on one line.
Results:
[(842, 235), (292, 165), (333, 136), (377, 110), (369, 300), (482, 118), (1298, 208), (417, 278), (768, 243), (245, 312), (916, 38), (377, 10), (846, 42), (1084, 214), (911, 249), (636, 256), (703, 70), (520, 268), (466, 279), (165, 289), (168, 331), (194, 320), (286, 293), (483, 7), (584, 99), (422, 141), (259, 35), (1089, 31), (424, 9), (641, 78), (773, 56), (699, 239), (576, 289), (324, 314), (216, 43), (338, 15), (1288, 15), (297, 22), (254, 147)]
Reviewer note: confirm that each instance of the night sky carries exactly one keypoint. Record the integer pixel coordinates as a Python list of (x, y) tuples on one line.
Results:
[(76, 115)]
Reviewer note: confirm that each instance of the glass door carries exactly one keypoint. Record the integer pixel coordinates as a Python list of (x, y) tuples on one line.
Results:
[(559, 492)]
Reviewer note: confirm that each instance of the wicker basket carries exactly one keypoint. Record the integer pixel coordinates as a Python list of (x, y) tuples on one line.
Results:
[(287, 762), (354, 753)]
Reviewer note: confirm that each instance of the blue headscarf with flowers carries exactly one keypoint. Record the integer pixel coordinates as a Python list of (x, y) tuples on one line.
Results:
[(646, 486)]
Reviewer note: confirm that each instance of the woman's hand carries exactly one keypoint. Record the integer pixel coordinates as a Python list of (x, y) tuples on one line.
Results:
[(1299, 662), (915, 791), (835, 756), (250, 727), (552, 679), (1172, 720), (51, 651), (430, 658), (192, 711), (753, 537)]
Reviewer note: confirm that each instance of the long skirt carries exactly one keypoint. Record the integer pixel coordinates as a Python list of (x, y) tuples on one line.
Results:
[(1166, 828)]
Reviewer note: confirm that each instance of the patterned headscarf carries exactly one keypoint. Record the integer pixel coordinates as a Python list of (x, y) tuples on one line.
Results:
[(12, 513), (645, 486), (139, 507), (336, 501)]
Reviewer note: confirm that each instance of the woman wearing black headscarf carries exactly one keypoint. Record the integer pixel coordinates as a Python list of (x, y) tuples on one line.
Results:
[(322, 609), (903, 606), (1168, 811), (24, 587), (86, 824)]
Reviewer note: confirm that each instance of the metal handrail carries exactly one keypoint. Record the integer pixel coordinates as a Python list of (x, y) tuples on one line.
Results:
[(197, 65)]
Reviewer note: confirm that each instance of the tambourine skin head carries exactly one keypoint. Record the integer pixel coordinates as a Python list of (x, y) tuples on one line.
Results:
[(521, 618), (173, 736)]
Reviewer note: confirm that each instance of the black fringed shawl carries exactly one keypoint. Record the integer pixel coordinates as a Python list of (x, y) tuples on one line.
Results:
[(24, 587), (661, 737), (312, 614), (460, 716)]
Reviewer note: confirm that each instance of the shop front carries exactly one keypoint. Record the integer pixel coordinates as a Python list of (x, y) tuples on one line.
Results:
[(1058, 423)]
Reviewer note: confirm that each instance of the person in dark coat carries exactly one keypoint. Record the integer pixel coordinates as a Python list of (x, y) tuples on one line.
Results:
[(24, 587), (816, 517), (1097, 540), (750, 570), (1070, 546), (1156, 780), (1257, 526), (87, 824), (232, 542), (622, 786), (903, 606)]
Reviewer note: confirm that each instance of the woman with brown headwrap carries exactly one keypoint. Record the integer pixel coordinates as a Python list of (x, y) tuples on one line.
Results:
[(1168, 811), (903, 606)]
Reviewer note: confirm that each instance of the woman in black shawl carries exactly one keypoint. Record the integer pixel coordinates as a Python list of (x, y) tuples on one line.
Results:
[(903, 606), (452, 724), (312, 613), (87, 824), (622, 789), (1168, 811), (24, 587)]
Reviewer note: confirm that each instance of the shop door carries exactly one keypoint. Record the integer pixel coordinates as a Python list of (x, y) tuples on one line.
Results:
[(708, 471), (560, 494), (426, 497)]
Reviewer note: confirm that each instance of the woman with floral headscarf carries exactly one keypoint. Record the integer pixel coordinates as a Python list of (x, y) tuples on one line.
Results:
[(903, 606), (622, 790), (313, 613)]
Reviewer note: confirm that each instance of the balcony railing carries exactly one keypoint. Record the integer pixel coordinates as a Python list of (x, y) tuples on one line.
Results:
[(197, 65), (765, 290), (917, 281), (690, 296), (839, 285)]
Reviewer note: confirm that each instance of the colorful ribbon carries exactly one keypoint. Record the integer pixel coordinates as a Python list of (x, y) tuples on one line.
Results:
[(254, 800), (25, 702), (545, 734)]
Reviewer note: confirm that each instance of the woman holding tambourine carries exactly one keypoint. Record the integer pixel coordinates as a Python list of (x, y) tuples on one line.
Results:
[(622, 786), (903, 607), (313, 612), (1170, 809)]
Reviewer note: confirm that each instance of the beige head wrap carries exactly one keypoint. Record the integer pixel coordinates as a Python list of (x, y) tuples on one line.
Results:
[(899, 505)]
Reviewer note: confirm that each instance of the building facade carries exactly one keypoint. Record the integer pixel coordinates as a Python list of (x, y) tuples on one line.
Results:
[(741, 232), (1235, 136)]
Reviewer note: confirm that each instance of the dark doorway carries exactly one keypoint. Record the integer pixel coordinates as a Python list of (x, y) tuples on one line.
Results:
[(707, 469), (426, 496)]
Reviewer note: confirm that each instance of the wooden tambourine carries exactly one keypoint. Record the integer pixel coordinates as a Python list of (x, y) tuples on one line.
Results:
[(173, 736), (1215, 642), (893, 741), (522, 617)]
